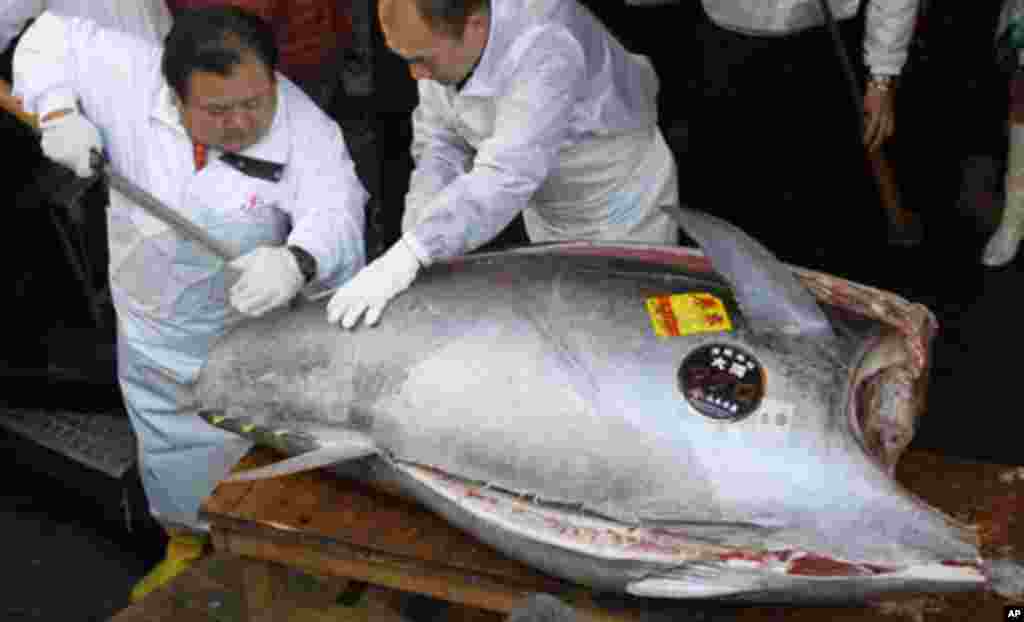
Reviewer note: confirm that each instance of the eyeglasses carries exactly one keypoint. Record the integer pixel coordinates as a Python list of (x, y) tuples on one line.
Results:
[(251, 104)]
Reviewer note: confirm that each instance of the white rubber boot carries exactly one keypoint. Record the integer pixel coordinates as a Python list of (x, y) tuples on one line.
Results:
[(1002, 246)]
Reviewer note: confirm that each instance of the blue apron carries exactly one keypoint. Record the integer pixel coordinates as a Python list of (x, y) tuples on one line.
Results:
[(172, 305)]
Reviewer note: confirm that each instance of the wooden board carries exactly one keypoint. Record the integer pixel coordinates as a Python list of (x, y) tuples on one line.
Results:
[(327, 525), (229, 588), (323, 524)]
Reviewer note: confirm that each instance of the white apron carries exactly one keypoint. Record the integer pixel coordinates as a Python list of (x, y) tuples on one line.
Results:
[(172, 304), (609, 189)]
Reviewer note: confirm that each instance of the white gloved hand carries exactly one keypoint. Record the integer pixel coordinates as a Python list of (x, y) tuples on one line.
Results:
[(70, 140), (270, 278), (374, 286)]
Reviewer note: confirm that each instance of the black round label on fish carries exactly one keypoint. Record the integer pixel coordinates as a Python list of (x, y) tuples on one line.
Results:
[(722, 382)]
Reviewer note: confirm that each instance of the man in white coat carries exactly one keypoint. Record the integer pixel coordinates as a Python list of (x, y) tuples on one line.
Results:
[(776, 136), (207, 126), (525, 106), (887, 34)]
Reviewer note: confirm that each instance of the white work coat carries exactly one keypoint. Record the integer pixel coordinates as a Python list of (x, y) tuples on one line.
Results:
[(171, 295), (148, 19), (557, 119), (887, 35)]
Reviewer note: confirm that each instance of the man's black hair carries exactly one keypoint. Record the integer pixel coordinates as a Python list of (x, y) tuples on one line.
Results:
[(450, 16), (214, 39)]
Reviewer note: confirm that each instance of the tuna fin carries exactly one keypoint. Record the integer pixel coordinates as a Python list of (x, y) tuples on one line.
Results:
[(694, 580), (308, 461), (767, 291), (312, 448), (669, 588)]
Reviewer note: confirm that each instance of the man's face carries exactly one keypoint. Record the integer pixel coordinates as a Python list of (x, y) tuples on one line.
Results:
[(431, 55), (231, 112)]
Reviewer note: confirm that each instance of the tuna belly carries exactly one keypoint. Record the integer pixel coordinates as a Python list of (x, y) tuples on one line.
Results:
[(649, 561)]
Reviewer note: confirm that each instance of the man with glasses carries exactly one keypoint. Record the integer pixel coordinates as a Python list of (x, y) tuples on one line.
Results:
[(208, 127)]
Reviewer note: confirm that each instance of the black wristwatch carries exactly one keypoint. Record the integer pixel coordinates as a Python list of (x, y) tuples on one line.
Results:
[(307, 263)]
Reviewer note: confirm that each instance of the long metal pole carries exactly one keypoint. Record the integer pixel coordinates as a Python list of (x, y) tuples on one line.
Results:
[(844, 60)]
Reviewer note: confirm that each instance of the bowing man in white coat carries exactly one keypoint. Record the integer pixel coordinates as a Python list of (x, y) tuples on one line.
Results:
[(526, 106)]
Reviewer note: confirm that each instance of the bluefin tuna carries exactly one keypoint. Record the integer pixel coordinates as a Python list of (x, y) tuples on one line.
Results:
[(658, 421)]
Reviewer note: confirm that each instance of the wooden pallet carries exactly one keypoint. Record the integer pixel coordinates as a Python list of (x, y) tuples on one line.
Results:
[(229, 588), (324, 526)]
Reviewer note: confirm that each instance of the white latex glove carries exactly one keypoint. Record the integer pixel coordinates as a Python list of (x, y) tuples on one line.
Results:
[(270, 278), (70, 140), (374, 286)]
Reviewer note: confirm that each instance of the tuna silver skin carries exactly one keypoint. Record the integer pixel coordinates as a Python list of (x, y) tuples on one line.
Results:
[(525, 396)]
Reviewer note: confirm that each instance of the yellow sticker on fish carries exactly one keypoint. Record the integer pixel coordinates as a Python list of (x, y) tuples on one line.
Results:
[(676, 315)]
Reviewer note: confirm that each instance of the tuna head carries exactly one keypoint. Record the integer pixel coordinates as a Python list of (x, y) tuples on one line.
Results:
[(887, 392)]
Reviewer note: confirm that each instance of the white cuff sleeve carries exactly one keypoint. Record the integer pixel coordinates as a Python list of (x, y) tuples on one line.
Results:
[(57, 99), (417, 249)]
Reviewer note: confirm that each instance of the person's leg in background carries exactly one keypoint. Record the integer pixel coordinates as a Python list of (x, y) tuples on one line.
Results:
[(833, 195), (1002, 246), (741, 147)]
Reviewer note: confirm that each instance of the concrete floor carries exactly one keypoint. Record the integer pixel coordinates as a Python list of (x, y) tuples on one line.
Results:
[(64, 561)]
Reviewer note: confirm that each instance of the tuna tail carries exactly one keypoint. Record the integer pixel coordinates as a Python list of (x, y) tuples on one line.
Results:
[(309, 452), (766, 290), (1005, 578)]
